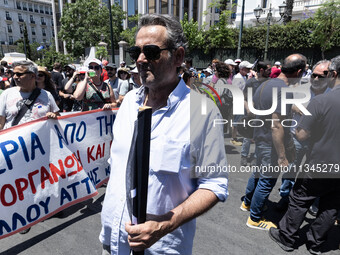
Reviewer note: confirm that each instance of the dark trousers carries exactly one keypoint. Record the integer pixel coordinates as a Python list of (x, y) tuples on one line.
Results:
[(302, 196)]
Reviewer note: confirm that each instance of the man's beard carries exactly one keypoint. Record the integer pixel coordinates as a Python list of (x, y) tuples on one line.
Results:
[(319, 85)]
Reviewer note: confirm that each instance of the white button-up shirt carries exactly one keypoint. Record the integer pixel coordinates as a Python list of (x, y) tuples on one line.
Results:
[(181, 138)]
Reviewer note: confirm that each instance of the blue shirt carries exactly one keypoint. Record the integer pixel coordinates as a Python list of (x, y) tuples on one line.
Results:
[(176, 148)]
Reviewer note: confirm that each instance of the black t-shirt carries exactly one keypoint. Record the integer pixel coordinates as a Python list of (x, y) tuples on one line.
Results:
[(57, 79), (324, 127), (263, 100), (252, 83)]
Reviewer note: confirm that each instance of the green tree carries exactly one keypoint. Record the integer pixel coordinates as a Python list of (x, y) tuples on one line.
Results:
[(101, 52), (49, 56), (128, 35), (327, 20), (84, 22), (220, 35), (194, 35)]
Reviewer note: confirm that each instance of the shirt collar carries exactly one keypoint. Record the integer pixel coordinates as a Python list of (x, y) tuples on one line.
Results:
[(175, 96)]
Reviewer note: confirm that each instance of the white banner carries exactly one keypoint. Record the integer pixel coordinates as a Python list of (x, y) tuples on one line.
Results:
[(49, 165)]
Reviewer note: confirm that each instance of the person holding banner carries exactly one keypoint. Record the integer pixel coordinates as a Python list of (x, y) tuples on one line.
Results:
[(95, 93), (25, 102), (182, 141)]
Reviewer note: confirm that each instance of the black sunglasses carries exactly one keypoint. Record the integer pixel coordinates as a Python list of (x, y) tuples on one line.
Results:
[(41, 75), (151, 52), (314, 75), (95, 67), (20, 74)]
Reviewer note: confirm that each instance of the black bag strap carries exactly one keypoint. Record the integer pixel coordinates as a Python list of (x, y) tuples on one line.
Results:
[(26, 106), (98, 92)]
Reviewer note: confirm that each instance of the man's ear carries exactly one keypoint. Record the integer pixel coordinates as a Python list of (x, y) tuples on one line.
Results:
[(178, 56)]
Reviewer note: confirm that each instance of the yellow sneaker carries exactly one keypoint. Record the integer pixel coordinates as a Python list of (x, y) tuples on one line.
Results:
[(261, 224), (244, 207), (235, 142)]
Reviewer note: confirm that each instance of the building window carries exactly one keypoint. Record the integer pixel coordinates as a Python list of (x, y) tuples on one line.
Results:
[(264, 3), (217, 10), (32, 19), (24, 6), (18, 5), (43, 30), (34, 40), (10, 40), (8, 16), (36, 8), (43, 21), (21, 29), (52, 23), (51, 11), (6, 2), (9, 28), (30, 8), (20, 17), (41, 8), (47, 10), (33, 30)]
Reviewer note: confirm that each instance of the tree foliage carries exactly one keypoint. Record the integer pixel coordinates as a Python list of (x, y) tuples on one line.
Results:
[(101, 52), (49, 56), (194, 35), (84, 22), (327, 19), (128, 35)]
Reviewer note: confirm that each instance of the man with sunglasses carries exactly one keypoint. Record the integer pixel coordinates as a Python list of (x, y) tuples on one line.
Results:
[(174, 198), (318, 85), (12, 99), (114, 81), (322, 128)]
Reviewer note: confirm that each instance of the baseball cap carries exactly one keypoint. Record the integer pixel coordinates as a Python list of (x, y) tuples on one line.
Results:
[(277, 63), (123, 62), (111, 65), (237, 60), (71, 66), (96, 61), (230, 62), (134, 70), (245, 64), (82, 69), (208, 70)]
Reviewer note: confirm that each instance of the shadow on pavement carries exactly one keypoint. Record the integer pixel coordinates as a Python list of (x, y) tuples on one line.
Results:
[(91, 209)]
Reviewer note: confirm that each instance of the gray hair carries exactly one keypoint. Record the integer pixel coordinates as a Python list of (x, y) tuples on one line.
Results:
[(325, 61), (335, 65), (29, 65), (174, 29)]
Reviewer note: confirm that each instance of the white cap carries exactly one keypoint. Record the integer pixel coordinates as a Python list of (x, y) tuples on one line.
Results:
[(230, 62), (208, 70), (82, 69), (237, 60), (245, 64), (95, 60), (134, 70), (277, 63)]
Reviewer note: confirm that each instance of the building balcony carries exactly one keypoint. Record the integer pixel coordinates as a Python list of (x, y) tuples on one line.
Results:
[(24, 8), (18, 7), (21, 20), (43, 23), (30, 9), (33, 33), (44, 34), (32, 21), (10, 31), (8, 18)]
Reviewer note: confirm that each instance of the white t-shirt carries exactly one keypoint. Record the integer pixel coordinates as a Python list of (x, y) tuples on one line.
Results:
[(240, 81), (11, 99)]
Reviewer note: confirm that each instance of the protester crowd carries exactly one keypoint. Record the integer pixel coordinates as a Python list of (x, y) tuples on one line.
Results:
[(29, 92)]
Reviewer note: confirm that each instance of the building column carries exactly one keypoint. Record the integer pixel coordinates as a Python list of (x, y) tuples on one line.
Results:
[(125, 21), (122, 46), (200, 13), (55, 27), (191, 5), (170, 12), (181, 9)]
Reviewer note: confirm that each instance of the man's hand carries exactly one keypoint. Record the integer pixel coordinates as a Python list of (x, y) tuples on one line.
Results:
[(52, 115), (143, 236), (283, 162)]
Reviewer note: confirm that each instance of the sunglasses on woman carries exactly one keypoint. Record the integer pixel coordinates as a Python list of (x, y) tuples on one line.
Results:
[(151, 52), (95, 67), (41, 75)]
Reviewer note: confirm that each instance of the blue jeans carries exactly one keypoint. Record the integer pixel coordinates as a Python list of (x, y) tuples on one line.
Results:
[(287, 180), (261, 183), (245, 147)]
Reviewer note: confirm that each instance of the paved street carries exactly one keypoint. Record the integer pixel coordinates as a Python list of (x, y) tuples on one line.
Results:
[(221, 231)]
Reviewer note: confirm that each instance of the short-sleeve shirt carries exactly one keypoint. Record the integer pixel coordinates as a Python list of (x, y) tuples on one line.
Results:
[(11, 99), (263, 100), (324, 126), (116, 86)]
